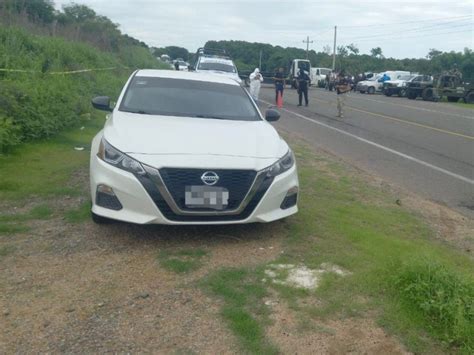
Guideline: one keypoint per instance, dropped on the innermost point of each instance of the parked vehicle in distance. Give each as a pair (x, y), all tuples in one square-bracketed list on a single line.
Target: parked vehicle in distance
[(216, 62), (189, 148), (375, 83), (295, 66), (451, 86), (182, 65), (318, 76), (414, 87), (397, 86)]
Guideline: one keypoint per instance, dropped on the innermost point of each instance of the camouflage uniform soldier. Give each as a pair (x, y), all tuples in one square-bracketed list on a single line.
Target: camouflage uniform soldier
[(342, 88)]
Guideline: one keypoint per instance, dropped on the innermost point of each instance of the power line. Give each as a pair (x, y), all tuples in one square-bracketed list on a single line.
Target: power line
[(404, 22), (420, 29), (418, 36)]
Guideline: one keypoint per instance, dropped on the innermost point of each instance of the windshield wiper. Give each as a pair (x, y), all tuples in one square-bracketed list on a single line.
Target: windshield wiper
[(209, 116), (140, 112)]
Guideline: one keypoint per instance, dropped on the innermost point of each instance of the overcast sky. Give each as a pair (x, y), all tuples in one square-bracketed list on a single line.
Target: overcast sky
[(402, 28)]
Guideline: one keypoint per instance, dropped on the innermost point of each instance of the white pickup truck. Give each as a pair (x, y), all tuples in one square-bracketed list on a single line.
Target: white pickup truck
[(318, 76)]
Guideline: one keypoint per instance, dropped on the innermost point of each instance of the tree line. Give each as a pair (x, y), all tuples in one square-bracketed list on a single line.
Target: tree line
[(247, 57), (75, 22)]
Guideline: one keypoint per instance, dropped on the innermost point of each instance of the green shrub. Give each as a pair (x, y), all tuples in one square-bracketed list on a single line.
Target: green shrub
[(444, 300), (39, 104)]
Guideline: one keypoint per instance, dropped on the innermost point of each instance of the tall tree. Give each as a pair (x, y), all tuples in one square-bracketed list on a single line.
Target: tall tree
[(376, 52), (353, 49)]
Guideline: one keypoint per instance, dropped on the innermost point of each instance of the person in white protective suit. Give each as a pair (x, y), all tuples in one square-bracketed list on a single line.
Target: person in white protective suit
[(255, 79)]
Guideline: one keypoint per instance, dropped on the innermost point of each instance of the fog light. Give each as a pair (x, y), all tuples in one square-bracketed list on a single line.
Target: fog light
[(105, 197), (291, 198), (105, 190)]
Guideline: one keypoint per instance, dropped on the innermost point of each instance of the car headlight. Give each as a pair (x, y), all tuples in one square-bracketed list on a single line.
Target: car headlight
[(118, 159), (283, 164)]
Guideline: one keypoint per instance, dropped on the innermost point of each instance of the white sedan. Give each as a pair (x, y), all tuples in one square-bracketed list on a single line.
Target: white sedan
[(189, 148)]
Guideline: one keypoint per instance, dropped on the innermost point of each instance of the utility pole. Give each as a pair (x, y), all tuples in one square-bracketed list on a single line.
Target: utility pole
[(334, 50), (307, 46)]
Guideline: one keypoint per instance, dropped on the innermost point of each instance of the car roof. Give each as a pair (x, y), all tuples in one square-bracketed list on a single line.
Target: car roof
[(205, 59), (186, 75)]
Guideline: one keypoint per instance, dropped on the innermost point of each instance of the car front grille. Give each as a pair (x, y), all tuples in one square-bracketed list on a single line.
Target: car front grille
[(246, 189), (238, 182)]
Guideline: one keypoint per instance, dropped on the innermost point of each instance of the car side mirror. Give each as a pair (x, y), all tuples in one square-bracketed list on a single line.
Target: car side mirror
[(272, 115), (102, 103)]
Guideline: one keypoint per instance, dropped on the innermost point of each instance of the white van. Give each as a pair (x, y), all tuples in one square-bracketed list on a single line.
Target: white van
[(375, 83), (318, 76)]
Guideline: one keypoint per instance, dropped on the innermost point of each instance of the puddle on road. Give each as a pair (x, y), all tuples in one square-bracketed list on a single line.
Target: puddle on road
[(300, 276)]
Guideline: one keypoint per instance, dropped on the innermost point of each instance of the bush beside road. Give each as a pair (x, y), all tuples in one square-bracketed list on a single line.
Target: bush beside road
[(70, 285), (36, 101)]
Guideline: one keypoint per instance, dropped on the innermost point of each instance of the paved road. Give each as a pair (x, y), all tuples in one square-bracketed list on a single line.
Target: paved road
[(425, 147)]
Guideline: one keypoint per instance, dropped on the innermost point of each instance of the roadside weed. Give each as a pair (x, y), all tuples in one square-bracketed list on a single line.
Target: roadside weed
[(80, 214), (244, 310), (182, 261)]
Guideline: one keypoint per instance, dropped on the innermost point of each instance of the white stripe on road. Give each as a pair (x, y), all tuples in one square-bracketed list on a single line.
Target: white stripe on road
[(403, 155)]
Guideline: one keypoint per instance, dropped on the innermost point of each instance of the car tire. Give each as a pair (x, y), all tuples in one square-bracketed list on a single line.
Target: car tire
[(428, 94), (371, 90), (412, 95), (402, 93), (388, 92), (453, 99), (99, 219), (469, 98)]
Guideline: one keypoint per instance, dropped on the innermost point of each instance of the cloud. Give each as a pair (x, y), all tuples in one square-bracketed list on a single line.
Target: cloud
[(190, 24)]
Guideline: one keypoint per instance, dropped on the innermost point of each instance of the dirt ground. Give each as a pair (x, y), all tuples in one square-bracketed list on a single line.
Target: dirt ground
[(83, 288)]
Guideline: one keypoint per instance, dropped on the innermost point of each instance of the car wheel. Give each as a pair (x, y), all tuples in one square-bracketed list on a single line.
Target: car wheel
[(469, 98), (453, 99), (402, 93), (100, 220), (411, 95), (388, 92), (371, 90), (428, 94)]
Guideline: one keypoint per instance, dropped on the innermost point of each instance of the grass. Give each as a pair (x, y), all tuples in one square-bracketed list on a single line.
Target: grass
[(15, 223), (242, 292), (390, 252), (182, 261), (81, 214), (44, 168)]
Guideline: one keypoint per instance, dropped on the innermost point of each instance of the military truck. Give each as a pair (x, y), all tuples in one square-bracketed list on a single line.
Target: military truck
[(449, 85)]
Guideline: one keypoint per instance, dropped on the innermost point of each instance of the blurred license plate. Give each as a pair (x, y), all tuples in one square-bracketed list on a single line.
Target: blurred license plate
[(206, 197)]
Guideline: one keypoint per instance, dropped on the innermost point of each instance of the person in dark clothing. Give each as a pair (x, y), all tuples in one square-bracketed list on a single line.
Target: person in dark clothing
[(279, 80), (303, 83), (176, 65)]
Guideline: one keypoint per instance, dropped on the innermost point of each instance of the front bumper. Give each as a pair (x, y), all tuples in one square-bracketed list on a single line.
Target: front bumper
[(143, 203)]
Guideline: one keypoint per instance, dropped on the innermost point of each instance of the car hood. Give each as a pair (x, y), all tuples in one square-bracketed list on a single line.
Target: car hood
[(169, 135)]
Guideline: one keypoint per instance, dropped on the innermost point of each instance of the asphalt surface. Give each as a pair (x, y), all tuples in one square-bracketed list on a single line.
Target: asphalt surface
[(424, 147)]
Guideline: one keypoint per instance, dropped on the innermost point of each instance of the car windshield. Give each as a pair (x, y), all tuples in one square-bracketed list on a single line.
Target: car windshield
[(190, 98), (183, 63), (217, 66), (405, 77), (325, 71), (374, 78), (305, 65)]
